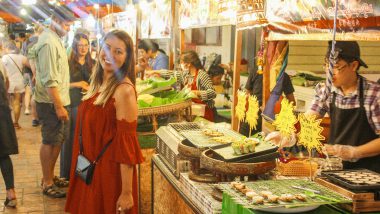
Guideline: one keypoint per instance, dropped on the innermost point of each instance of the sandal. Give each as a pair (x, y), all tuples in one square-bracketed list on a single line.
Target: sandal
[(54, 192), (60, 182), (10, 202)]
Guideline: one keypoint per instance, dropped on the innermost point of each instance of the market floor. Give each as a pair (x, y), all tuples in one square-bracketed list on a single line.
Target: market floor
[(28, 174)]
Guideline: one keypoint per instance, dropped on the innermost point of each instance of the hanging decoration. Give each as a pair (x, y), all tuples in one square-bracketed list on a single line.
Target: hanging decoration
[(252, 114), (250, 14), (240, 106)]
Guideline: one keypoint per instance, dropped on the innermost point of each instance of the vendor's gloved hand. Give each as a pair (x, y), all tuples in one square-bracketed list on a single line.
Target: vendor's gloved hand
[(347, 153), (281, 141)]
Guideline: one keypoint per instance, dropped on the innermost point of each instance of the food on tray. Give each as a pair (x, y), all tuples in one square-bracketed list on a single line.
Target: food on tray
[(257, 200), (266, 194), (240, 186), (222, 140), (234, 183), (245, 146), (286, 197), (251, 194), (212, 133), (273, 199), (300, 197)]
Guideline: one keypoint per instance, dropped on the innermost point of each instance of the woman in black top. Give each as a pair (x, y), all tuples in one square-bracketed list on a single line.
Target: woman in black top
[(8, 144), (81, 64)]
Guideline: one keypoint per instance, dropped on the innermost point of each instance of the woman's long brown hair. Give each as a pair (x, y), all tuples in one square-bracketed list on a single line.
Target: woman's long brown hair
[(126, 70), (73, 59)]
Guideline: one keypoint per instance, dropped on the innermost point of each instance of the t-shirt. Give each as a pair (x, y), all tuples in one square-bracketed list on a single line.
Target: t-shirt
[(255, 85), (160, 62), (13, 66)]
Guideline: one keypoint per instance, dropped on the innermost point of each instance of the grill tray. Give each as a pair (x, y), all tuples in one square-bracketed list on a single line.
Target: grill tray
[(355, 179), (196, 138), (184, 126), (265, 151)]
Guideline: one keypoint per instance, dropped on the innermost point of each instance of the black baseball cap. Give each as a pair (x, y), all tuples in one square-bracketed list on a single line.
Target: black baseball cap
[(63, 13), (347, 50)]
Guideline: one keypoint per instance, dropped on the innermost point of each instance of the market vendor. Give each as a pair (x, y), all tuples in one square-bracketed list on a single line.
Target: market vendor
[(193, 76), (151, 57), (354, 108)]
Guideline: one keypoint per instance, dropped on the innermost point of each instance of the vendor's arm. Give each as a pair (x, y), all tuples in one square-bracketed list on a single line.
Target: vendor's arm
[(207, 90), (126, 109), (289, 89), (319, 107)]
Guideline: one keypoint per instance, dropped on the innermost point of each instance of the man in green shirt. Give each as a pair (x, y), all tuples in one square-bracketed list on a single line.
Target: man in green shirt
[(52, 94)]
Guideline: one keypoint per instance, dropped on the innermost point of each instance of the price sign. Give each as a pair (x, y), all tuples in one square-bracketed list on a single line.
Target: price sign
[(310, 135), (286, 119)]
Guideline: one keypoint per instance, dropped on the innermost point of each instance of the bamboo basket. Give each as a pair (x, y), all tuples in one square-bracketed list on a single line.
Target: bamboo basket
[(297, 168), (164, 109)]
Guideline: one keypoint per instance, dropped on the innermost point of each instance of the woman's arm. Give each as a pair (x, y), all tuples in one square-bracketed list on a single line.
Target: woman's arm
[(126, 109), (206, 90)]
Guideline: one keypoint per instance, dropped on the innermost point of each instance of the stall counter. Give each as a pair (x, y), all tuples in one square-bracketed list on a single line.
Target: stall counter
[(169, 195)]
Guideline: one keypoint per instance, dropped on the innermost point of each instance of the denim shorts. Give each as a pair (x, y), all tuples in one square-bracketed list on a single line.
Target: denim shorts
[(54, 131)]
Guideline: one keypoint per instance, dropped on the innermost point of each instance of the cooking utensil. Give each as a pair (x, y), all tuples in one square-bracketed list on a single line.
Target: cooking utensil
[(313, 195), (306, 189)]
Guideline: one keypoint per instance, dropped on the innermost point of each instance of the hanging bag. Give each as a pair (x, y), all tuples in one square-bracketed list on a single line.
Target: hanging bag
[(85, 168)]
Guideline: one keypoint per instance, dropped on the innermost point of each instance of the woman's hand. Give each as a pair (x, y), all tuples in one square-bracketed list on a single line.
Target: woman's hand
[(196, 93), (124, 203), (84, 85)]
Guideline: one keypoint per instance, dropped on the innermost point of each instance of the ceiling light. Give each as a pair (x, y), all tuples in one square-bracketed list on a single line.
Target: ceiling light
[(23, 12), (29, 2), (96, 6)]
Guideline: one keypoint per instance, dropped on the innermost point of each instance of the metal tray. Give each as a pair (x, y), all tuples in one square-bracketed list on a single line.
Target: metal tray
[(197, 139), (262, 151), (355, 179)]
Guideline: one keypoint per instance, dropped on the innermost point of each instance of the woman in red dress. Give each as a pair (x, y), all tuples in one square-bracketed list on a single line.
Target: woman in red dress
[(108, 113)]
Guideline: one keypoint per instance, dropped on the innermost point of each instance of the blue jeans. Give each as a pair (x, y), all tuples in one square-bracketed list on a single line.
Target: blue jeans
[(67, 147)]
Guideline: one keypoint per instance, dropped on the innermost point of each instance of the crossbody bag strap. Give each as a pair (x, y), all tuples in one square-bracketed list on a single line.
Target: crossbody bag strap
[(15, 64), (81, 151), (102, 152)]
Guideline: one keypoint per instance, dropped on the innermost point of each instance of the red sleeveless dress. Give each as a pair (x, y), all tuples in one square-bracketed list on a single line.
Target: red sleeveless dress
[(100, 125)]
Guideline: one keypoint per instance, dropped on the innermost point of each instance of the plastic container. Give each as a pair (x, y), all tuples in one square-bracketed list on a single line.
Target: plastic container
[(198, 109)]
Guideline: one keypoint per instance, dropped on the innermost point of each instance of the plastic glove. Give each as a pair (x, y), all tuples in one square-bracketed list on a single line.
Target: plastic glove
[(347, 153), (281, 141)]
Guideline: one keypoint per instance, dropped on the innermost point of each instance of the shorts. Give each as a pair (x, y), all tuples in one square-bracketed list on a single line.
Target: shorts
[(16, 87), (53, 131)]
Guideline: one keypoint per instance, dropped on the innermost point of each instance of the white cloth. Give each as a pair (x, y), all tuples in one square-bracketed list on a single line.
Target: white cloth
[(13, 69)]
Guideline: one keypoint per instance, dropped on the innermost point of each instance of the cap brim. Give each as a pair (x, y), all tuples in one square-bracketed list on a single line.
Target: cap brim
[(362, 63)]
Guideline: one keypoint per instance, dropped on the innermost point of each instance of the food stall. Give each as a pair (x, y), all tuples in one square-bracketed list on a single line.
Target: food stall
[(243, 179)]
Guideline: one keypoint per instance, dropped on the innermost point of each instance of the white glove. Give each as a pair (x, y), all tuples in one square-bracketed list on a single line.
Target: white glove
[(280, 140), (346, 152)]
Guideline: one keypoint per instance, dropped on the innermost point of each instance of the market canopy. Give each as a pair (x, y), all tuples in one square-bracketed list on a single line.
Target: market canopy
[(313, 19)]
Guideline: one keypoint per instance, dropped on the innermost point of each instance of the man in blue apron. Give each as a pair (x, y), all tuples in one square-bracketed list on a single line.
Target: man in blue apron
[(354, 108)]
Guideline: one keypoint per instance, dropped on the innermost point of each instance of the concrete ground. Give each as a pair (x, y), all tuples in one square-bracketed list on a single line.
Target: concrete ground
[(28, 174)]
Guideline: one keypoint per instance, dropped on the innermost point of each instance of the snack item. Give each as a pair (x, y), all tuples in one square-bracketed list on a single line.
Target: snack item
[(257, 200), (245, 146), (212, 133), (286, 197), (300, 197), (266, 194), (251, 194), (273, 198)]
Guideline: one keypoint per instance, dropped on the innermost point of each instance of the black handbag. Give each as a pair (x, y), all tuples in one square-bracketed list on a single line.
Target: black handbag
[(85, 168)]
